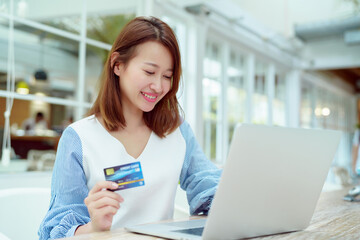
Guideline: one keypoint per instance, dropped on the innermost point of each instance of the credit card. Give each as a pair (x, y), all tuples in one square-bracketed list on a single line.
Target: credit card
[(126, 176)]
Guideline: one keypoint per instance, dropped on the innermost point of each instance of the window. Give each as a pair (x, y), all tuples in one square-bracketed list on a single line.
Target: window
[(46, 62), (212, 115), (323, 108), (58, 58), (260, 102), (279, 101), (236, 93), (179, 29), (306, 109), (101, 30)]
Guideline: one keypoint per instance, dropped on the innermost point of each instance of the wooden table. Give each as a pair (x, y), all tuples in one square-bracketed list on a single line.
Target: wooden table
[(22, 144), (334, 218)]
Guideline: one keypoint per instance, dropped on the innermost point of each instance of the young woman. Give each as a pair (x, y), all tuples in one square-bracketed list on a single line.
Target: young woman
[(135, 120)]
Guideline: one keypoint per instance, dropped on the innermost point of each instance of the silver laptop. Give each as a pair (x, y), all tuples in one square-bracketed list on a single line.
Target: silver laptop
[(270, 184)]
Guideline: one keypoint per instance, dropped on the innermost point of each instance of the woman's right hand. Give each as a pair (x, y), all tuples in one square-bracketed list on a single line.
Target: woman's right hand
[(102, 206)]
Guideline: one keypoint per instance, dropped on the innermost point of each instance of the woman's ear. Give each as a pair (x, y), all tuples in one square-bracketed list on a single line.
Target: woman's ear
[(116, 65)]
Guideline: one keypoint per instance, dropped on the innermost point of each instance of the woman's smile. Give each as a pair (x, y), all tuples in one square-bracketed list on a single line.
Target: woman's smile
[(150, 97)]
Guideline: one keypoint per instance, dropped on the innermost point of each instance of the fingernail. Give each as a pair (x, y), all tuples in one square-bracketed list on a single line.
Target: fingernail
[(114, 185)]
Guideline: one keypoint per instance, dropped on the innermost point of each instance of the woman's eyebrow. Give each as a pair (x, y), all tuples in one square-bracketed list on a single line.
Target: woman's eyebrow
[(156, 66)]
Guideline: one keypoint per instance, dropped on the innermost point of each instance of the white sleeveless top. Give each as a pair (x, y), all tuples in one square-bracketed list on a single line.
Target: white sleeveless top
[(161, 163)]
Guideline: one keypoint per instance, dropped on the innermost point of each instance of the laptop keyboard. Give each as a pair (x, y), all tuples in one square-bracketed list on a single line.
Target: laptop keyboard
[(192, 231), (195, 223)]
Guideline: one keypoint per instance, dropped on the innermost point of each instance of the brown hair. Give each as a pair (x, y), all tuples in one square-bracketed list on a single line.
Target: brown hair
[(165, 117)]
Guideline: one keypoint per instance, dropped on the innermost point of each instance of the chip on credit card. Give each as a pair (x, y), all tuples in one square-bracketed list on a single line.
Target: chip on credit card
[(126, 176)]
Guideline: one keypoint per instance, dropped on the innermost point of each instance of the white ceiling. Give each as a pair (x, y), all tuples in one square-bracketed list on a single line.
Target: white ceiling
[(281, 15)]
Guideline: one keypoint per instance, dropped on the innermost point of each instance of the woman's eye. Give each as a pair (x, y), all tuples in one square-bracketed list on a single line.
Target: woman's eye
[(148, 72), (168, 77)]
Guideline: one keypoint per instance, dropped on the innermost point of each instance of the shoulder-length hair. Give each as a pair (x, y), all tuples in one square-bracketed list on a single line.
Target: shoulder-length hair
[(165, 117)]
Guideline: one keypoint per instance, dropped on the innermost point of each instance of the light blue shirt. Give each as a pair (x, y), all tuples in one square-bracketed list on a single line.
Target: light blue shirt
[(198, 176)]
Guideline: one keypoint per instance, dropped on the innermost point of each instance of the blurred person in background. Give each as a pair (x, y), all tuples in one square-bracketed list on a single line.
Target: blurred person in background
[(34, 125)]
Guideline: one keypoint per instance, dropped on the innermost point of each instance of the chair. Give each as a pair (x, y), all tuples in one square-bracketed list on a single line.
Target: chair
[(41, 160), (22, 210), (47, 161)]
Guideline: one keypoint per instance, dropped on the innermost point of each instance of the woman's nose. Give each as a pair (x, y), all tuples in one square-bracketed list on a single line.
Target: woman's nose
[(156, 84)]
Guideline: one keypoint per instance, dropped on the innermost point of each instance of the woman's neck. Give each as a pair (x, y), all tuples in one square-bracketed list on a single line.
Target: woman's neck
[(133, 118)]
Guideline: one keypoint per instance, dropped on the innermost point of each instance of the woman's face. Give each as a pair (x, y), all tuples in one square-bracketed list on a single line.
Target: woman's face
[(147, 77)]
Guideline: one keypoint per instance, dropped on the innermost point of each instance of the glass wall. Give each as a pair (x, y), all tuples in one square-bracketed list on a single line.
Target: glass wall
[(102, 28), (47, 63), (260, 101), (307, 103), (324, 108), (59, 53), (212, 88), (64, 15), (279, 101), (236, 92), (179, 29), (328, 109), (95, 60)]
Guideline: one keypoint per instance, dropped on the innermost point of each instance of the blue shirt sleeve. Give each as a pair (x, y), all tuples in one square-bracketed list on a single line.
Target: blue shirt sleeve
[(199, 176), (68, 190)]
